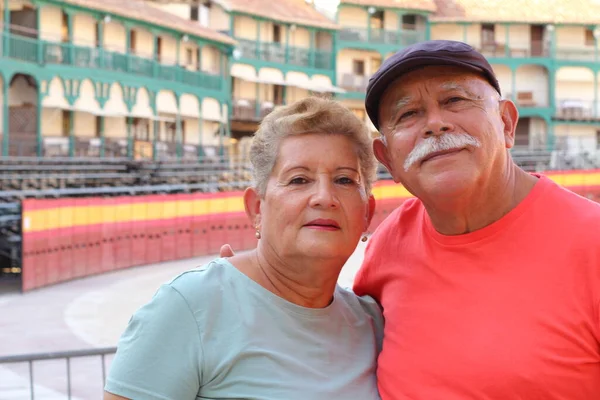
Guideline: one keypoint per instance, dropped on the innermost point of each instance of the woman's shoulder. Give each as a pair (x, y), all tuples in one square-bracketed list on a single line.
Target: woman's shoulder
[(204, 282), (361, 304)]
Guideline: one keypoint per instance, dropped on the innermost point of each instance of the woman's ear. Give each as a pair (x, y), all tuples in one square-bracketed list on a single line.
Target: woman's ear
[(252, 202)]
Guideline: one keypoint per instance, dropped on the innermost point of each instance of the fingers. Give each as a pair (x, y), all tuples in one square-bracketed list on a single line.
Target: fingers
[(226, 251)]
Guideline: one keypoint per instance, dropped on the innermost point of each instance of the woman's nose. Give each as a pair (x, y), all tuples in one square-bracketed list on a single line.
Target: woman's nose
[(324, 195)]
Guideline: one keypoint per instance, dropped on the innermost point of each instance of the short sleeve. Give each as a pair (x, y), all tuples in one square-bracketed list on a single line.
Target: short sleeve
[(159, 356), (373, 308)]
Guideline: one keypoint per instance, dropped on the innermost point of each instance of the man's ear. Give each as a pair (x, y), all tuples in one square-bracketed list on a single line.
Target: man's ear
[(252, 202), (381, 153), (510, 116), (370, 210)]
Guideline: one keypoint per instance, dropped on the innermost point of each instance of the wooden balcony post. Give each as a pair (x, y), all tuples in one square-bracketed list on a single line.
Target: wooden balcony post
[(5, 118), (507, 40), (6, 31)]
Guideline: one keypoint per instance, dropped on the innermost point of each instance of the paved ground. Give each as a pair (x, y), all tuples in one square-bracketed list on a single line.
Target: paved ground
[(81, 314)]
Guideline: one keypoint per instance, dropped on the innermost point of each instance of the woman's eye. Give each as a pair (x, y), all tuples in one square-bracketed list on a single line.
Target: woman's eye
[(454, 99), (345, 181), (298, 181)]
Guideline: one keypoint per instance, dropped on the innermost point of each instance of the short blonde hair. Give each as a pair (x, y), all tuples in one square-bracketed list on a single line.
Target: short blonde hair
[(312, 115)]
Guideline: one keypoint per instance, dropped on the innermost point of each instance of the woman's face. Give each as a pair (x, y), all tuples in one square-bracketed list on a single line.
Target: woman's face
[(315, 203)]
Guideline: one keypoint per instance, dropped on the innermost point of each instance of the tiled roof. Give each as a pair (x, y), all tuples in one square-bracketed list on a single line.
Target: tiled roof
[(421, 5), (140, 10), (291, 11), (525, 11)]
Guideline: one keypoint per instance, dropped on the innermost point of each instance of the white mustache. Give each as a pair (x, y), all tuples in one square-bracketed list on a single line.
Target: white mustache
[(433, 144)]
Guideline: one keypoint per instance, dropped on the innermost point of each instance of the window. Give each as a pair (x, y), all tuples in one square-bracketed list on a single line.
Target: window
[(376, 20), (194, 13), (277, 95), (98, 126), (189, 56), (590, 40), (65, 27), (277, 33), (375, 64), (66, 123), (488, 34), (409, 22), (171, 131), (159, 48), (98, 34), (358, 67), (141, 129), (132, 41)]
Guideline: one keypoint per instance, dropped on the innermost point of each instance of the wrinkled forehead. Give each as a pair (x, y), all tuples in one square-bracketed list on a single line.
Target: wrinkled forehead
[(432, 81), (416, 83)]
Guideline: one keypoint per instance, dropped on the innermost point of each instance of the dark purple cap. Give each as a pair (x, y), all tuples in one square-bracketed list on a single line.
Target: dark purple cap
[(424, 54)]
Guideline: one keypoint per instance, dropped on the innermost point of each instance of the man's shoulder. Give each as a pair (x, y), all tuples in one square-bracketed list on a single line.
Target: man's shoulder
[(572, 205), (571, 213)]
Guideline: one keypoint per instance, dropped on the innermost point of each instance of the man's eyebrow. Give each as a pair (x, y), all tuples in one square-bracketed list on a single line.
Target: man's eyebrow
[(453, 86), (400, 104)]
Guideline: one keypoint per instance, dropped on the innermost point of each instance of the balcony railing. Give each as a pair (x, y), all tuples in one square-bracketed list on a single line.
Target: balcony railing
[(245, 109), (47, 52), (354, 83), (576, 53), (577, 110), (279, 53), (382, 36)]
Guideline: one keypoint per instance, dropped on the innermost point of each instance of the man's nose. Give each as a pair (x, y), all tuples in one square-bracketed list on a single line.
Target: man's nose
[(436, 125)]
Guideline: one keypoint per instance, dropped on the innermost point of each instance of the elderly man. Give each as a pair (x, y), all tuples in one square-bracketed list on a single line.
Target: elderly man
[(490, 278)]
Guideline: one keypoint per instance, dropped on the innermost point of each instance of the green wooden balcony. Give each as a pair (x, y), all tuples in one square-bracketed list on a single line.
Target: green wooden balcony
[(361, 37), (44, 52), (281, 54)]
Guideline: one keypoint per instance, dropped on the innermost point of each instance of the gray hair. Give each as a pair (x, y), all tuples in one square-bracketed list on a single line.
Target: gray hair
[(312, 115)]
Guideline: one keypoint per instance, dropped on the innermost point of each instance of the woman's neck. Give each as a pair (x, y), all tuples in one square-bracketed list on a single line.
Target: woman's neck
[(307, 282)]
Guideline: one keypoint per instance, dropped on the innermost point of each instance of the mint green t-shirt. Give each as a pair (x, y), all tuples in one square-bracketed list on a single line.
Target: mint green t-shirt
[(213, 333)]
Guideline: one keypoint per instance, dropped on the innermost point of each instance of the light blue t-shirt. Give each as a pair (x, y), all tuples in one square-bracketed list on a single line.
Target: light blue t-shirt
[(213, 333)]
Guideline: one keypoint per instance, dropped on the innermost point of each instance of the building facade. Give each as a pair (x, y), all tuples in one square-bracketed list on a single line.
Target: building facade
[(110, 78), (186, 79), (545, 55)]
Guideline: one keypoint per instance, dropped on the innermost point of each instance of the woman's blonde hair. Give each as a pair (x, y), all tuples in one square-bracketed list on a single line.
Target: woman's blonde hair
[(312, 115)]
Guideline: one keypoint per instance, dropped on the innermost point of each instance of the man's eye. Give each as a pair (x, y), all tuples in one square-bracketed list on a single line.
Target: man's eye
[(298, 181), (454, 99), (407, 114)]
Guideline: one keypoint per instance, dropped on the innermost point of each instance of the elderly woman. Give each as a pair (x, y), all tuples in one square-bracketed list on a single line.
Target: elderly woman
[(272, 323)]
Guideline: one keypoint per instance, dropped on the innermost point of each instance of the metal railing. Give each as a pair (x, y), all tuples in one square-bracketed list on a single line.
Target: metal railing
[(577, 109), (39, 51), (382, 36), (67, 356), (576, 53), (279, 53)]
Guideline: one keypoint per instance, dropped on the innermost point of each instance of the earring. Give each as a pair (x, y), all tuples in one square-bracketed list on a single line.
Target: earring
[(257, 233), (364, 238)]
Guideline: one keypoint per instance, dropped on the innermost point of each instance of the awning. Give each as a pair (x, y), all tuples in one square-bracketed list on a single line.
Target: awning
[(320, 87)]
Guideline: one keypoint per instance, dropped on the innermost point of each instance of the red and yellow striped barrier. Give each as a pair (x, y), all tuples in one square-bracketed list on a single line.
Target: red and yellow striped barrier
[(70, 238)]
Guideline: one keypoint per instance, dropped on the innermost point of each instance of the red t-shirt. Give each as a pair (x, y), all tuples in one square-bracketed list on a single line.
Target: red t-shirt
[(510, 311)]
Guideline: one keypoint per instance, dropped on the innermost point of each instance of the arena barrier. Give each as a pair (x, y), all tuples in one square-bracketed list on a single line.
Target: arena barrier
[(70, 238)]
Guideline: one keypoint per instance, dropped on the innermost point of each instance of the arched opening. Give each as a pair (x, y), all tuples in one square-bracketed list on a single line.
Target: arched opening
[(574, 94), (22, 115), (354, 68), (531, 86)]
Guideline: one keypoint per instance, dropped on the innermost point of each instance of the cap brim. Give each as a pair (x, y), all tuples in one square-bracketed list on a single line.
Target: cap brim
[(378, 87)]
